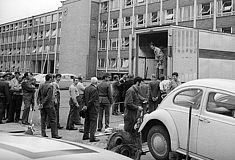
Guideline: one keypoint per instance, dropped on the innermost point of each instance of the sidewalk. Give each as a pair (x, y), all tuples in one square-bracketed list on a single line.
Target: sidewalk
[(70, 135)]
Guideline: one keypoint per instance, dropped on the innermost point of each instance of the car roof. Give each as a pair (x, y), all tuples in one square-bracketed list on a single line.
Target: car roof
[(26, 147), (223, 84)]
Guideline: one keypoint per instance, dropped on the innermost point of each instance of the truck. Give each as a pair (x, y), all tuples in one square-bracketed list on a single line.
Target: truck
[(193, 53)]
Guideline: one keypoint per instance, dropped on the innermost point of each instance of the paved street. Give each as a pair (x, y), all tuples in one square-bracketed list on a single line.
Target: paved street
[(75, 136)]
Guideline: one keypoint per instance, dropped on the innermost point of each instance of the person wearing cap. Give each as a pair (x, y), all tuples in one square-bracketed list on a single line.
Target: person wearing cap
[(81, 89), (16, 98), (133, 106), (4, 97), (105, 97), (91, 100)]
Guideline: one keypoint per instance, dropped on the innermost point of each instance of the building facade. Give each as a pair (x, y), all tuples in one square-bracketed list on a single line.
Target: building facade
[(90, 37)]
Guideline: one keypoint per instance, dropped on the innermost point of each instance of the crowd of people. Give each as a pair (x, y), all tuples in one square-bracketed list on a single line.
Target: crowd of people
[(125, 95)]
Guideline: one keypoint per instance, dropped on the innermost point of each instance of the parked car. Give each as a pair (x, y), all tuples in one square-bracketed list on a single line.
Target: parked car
[(65, 82), (212, 121), (24, 147)]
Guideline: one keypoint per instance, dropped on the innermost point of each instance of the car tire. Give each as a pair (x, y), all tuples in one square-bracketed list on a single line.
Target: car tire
[(159, 142)]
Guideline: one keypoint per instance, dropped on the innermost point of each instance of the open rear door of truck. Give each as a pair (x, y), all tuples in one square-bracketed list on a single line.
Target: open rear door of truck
[(184, 53)]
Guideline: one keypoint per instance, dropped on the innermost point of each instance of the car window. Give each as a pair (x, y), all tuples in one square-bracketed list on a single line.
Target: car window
[(221, 103), (189, 97)]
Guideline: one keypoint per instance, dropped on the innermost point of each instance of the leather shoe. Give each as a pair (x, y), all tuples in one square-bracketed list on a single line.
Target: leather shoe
[(94, 140), (85, 138), (99, 130), (44, 136), (26, 123), (57, 137), (60, 127), (74, 128)]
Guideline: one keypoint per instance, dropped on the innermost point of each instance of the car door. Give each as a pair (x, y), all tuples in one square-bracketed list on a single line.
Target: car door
[(216, 129), (179, 110)]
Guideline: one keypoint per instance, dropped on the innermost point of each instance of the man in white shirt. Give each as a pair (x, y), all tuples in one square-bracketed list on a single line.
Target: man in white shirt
[(81, 89), (73, 113)]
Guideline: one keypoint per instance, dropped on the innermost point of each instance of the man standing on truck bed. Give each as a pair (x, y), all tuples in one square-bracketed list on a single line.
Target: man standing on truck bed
[(160, 58)]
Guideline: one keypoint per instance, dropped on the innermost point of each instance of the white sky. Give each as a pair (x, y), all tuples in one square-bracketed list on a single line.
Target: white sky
[(11, 10)]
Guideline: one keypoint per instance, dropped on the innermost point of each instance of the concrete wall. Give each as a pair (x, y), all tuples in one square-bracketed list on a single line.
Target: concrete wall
[(76, 33)]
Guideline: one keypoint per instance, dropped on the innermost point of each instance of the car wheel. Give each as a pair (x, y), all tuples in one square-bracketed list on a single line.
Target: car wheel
[(159, 142)]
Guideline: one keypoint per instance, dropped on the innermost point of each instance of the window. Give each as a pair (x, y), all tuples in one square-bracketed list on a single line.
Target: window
[(40, 49), (48, 19), (114, 44), (101, 63), (153, 1), (102, 44), (154, 17), (127, 22), (169, 15), (54, 32), (226, 29), (29, 36), (25, 24), (125, 42), (34, 49), (112, 63), (42, 20), (205, 9), (36, 21), (140, 20), (140, 1), (60, 16), (220, 103), (104, 7), (226, 6), (48, 33), (35, 35), (41, 35), (103, 25), (114, 4), (124, 63), (54, 17), (114, 23), (189, 97), (128, 3)]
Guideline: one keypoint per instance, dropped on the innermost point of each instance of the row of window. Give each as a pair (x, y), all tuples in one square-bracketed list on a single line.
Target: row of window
[(112, 63), (32, 22), (28, 50), (14, 65), (114, 4), (31, 36), (114, 43), (185, 13), (205, 8)]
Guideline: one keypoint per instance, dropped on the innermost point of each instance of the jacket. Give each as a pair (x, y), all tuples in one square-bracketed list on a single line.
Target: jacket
[(91, 99)]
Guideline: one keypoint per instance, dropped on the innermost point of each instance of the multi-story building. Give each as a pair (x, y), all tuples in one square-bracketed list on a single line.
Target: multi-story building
[(31, 44), (90, 37)]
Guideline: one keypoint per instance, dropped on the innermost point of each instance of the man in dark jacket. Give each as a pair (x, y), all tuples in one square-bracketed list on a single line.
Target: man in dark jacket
[(4, 97), (105, 99), (154, 93), (91, 99), (46, 106), (132, 106), (28, 96)]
